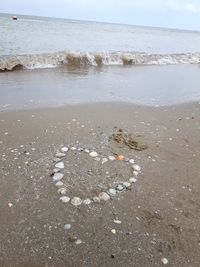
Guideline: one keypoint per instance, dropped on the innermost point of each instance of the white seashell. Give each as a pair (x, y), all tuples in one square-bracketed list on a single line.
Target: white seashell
[(60, 155), (73, 148), (112, 192), (136, 168), (135, 173), (117, 221), (111, 158), (76, 201), (64, 149), (62, 191), (113, 231), (93, 154), (65, 199), (104, 196), (104, 160), (119, 187), (164, 261), (132, 161), (87, 201), (60, 165), (59, 183), (78, 241), (96, 199), (67, 226), (126, 184), (57, 176), (87, 151), (132, 180)]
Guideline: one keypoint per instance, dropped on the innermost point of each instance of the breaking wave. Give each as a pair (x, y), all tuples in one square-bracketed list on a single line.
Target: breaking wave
[(50, 60)]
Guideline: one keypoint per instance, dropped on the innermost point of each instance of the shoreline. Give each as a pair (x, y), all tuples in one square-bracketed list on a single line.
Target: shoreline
[(159, 215)]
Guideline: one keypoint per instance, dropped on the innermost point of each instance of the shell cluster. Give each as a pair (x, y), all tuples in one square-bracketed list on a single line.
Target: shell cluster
[(111, 192)]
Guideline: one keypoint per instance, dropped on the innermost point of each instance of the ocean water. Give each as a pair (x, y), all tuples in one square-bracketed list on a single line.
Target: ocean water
[(61, 62)]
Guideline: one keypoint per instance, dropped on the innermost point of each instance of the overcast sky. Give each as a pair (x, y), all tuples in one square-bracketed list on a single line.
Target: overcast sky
[(161, 13)]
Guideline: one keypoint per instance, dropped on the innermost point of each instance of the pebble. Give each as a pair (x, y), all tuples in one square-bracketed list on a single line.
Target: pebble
[(56, 170), (60, 155), (65, 199), (59, 183), (73, 148), (112, 192), (132, 161), (93, 154), (64, 149), (97, 159), (111, 158), (126, 184), (57, 177), (136, 167), (132, 180), (87, 201), (10, 205), (62, 191), (135, 173), (76, 201), (104, 196), (87, 151), (60, 165), (117, 221), (78, 241), (67, 226), (96, 199), (113, 231), (104, 160), (119, 187), (164, 261)]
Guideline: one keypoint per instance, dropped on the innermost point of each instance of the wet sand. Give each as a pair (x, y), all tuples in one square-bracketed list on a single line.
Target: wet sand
[(159, 215)]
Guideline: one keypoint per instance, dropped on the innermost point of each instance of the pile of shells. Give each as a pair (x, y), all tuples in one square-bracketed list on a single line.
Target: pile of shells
[(103, 196)]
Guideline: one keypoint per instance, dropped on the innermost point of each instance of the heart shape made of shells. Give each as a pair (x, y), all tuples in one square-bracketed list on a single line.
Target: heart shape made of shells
[(106, 195)]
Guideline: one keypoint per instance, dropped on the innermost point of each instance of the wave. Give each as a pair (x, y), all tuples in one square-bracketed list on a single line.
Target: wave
[(51, 60)]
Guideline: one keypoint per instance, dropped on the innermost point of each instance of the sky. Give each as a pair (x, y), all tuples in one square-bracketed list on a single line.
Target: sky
[(181, 14)]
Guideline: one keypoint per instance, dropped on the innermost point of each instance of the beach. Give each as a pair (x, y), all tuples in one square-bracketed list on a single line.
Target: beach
[(159, 214)]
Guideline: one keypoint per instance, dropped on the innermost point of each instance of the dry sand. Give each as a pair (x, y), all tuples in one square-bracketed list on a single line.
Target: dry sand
[(159, 215)]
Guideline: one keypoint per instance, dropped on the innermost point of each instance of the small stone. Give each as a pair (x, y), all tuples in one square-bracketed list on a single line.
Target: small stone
[(135, 173), (56, 159), (62, 191), (87, 151), (112, 192), (104, 196), (87, 201), (64, 149), (111, 158), (104, 160), (96, 199), (113, 231), (136, 168), (78, 241), (119, 187), (164, 261), (60, 155), (60, 165), (97, 159), (126, 184), (132, 161), (117, 221), (93, 154), (73, 148), (55, 170), (67, 226), (10, 205), (132, 180), (65, 199), (76, 201), (59, 183), (57, 176)]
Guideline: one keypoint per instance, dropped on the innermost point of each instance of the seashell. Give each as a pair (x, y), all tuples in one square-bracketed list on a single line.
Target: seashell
[(120, 157), (135, 173), (164, 261), (76, 201), (126, 184), (104, 196), (112, 192), (62, 191), (119, 187), (64, 149), (93, 154), (113, 231), (59, 183), (67, 226), (60, 155), (65, 199), (78, 241), (73, 148), (136, 168), (104, 160), (55, 170), (132, 180), (87, 151), (96, 199), (111, 158), (87, 201), (132, 161), (57, 176), (117, 221), (60, 165)]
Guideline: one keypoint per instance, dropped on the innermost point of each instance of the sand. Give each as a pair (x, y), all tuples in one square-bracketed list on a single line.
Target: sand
[(159, 215)]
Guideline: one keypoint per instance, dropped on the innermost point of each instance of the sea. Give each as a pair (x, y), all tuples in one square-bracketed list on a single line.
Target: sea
[(51, 62)]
